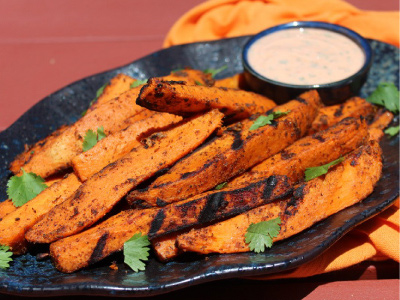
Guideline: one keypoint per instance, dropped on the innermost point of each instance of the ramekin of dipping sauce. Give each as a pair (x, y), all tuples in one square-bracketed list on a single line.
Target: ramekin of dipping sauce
[(286, 60)]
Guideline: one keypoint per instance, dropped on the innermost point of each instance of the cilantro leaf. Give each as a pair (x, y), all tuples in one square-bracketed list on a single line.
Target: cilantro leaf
[(392, 131), (214, 72), (21, 189), (98, 94), (387, 95), (220, 186), (266, 120), (315, 172), (5, 257), (260, 235), (100, 133), (198, 82), (91, 138), (138, 82), (136, 251)]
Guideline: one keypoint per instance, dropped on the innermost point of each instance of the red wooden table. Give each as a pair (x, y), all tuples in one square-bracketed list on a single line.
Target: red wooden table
[(47, 44)]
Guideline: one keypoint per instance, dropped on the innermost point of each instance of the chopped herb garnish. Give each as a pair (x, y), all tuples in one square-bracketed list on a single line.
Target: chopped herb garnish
[(387, 95), (98, 94), (138, 82), (198, 82), (5, 257), (91, 138), (214, 72), (21, 189), (261, 234), (266, 120), (220, 186), (392, 131), (136, 251), (315, 172)]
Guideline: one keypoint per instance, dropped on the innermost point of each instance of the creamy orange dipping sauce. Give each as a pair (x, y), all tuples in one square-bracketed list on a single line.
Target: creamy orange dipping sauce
[(305, 56)]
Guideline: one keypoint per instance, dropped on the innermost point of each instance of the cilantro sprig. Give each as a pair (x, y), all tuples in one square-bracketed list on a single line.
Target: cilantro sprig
[(136, 252), (266, 120), (315, 172), (5, 257), (392, 131), (214, 72), (221, 186), (91, 138), (138, 82), (21, 189), (98, 94), (387, 95), (261, 234)]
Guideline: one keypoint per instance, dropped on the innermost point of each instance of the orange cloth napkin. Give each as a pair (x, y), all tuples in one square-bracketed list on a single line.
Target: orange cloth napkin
[(377, 238), (216, 19)]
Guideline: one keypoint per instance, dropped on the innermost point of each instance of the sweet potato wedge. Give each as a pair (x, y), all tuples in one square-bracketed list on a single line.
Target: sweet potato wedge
[(120, 143), (330, 115), (103, 190), (165, 247), (57, 153), (190, 77), (216, 205), (114, 232), (310, 151), (7, 206), (236, 81), (117, 85), (24, 157), (381, 120), (178, 98), (344, 185), (14, 225), (231, 154)]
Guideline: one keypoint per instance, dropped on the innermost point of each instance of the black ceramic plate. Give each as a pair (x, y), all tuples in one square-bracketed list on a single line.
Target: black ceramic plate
[(27, 276)]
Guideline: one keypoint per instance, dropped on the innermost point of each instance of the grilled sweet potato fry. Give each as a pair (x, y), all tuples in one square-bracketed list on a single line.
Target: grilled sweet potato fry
[(117, 85), (78, 251), (235, 151), (190, 76), (344, 185), (330, 115), (155, 221), (14, 225), (316, 150), (236, 81), (181, 99), (102, 191), (57, 153), (217, 205), (165, 247), (7, 206), (381, 120), (24, 157), (120, 143)]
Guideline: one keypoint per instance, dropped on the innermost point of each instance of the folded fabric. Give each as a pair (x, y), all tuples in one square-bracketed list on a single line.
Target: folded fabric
[(216, 19), (377, 238)]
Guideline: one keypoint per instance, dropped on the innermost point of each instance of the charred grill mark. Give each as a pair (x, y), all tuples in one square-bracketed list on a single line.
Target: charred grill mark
[(214, 203), (287, 155), (301, 100), (339, 111), (157, 223), (161, 202), (269, 187), (97, 253), (318, 137), (237, 142), (299, 192)]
